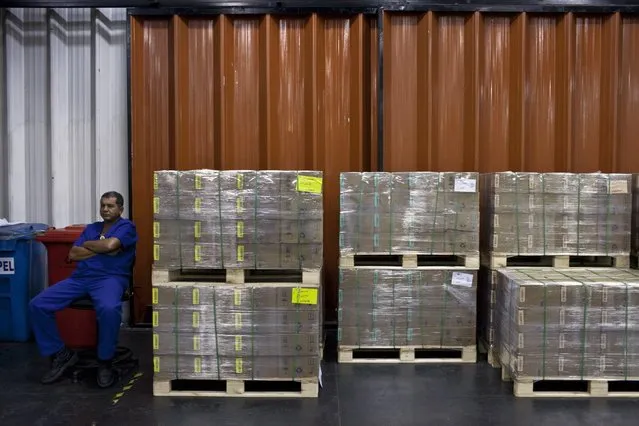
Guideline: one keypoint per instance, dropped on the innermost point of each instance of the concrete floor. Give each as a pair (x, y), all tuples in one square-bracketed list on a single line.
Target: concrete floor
[(362, 395)]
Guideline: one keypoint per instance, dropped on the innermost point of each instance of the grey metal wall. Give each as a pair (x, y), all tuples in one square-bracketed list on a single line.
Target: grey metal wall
[(63, 131)]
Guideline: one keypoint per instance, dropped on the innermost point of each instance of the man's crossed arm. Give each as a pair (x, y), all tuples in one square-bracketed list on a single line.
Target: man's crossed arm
[(110, 246)]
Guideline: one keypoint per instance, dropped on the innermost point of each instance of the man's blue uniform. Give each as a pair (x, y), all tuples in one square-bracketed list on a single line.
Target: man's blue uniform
[(103, 277)]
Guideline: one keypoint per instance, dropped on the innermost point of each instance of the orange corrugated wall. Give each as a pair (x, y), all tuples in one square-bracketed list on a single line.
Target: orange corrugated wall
[(467, 91)]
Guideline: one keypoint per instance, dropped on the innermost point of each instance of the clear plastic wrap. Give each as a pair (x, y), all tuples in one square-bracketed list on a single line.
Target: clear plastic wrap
[(238, 219), (635, 214), (401, 307), (223, 332), (556, 213), (571, 323), (418, 212), (486, 306)]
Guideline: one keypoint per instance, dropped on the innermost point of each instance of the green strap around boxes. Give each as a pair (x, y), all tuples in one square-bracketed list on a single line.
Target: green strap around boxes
[(432, 229), (176, 328), (219, 211), (217, 345)]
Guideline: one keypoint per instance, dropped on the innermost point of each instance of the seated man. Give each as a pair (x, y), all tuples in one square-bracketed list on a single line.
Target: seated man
[(105, 252)]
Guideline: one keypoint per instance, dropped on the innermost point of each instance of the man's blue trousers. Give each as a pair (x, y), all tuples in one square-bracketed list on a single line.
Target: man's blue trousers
[(106, 294)]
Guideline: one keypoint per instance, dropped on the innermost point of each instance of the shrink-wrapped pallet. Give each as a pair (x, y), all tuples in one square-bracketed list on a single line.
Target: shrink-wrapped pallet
[(209, 219), (556, 214), (570, 323), (226, 332), (412, 212), (402, 307)]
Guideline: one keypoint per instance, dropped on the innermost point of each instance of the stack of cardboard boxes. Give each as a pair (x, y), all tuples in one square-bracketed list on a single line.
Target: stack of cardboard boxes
[(570, 323), (548, 214), (407, 214), (251, 220), (556, 214), (635, 217), (237, 219)]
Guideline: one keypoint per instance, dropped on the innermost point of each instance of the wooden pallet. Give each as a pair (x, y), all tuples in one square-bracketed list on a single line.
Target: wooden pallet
[(563, 261), (408, 260), (267, 388), (239, 276), (406, 354), (562, 387)]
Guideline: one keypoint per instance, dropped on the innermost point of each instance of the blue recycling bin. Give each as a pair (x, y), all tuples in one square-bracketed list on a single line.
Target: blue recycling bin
[(23, 265)]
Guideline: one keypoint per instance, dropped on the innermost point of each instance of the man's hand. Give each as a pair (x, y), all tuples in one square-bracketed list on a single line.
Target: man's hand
[(105, 246), (80, 253)]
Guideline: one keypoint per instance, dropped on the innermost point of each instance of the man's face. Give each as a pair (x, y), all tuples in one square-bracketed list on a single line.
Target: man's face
[(109, 210)]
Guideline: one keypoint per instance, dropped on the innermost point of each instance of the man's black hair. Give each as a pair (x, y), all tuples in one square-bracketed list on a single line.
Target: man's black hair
[(119, 199)]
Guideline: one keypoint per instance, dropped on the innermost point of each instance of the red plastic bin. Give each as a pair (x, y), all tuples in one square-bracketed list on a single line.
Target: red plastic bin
[(77, 326)]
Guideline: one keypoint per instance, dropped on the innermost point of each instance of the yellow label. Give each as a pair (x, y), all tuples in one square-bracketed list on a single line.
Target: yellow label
[(238, 343), (309, 184), (240, 253), (240, 229), (155, 181), (156, 252), (156, 364), (198, 205), (238, 321), (156, 205), (238, 366), (156, 229), (197, 364), (304, 296), (197, 253), (237, 297), (196, 319), (198, 182), (196, 343), (197, 229), (239, 204), (156, 341), (155, 298), (240, 180), (156, 318), (196, 296)]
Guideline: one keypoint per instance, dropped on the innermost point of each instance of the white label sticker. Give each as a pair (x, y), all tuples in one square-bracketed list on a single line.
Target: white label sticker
[(7, 266), (618, 187), (462, 279), (465, 185)]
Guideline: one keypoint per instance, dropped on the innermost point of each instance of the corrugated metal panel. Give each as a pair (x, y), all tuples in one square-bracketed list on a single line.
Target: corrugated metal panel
[(493, 92), (254, 92), (65, 134)]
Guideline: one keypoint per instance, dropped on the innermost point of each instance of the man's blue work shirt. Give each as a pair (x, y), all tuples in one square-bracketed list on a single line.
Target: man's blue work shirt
[(104, 265)]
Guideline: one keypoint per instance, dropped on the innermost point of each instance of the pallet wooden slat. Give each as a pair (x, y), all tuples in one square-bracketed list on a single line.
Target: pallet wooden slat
[(525, 387), (408, 260), (407, 354), (239, 276), (555, 261), (309, 388)]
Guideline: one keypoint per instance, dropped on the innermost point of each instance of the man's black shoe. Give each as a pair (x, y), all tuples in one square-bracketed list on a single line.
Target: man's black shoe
[(64, 359), (106, 375)]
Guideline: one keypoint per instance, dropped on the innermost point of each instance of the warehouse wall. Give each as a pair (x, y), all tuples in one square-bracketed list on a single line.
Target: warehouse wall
[(501, 92), (63, 133), (251, 92), (474, 92)]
